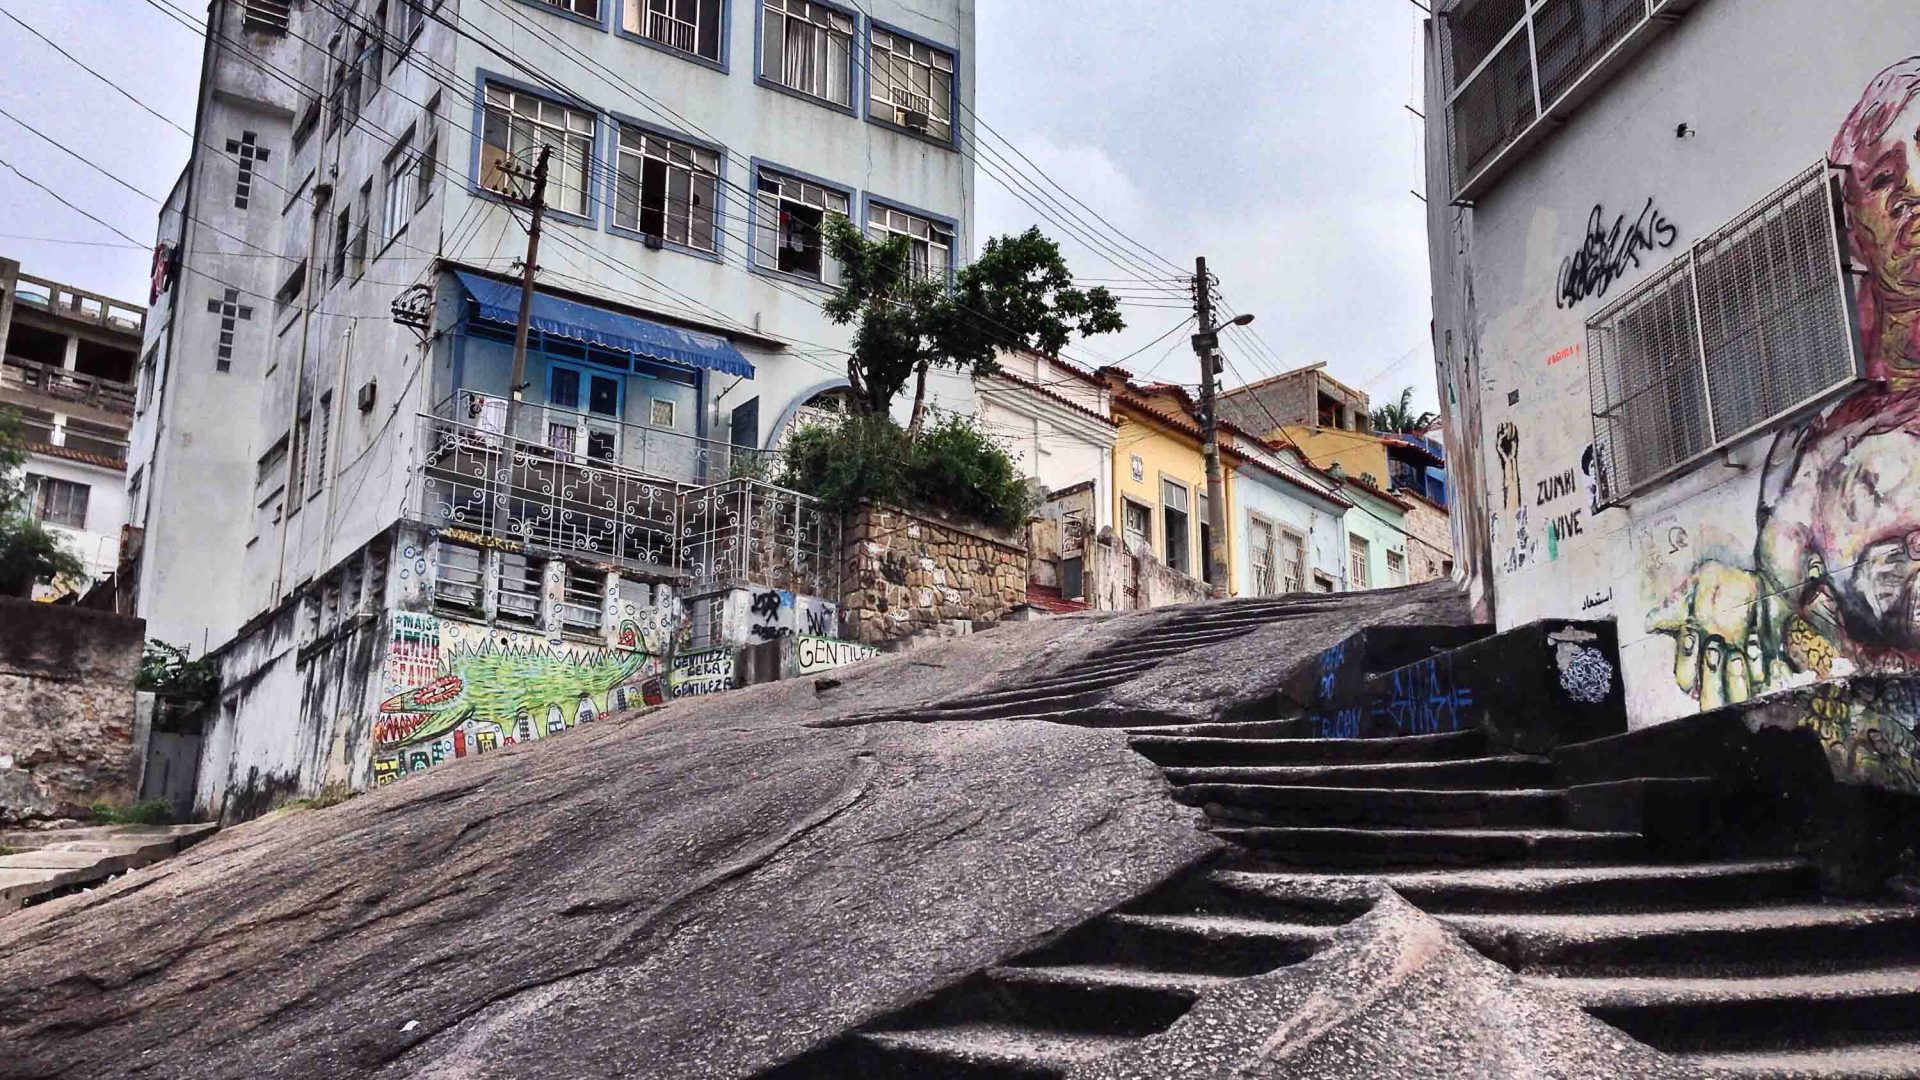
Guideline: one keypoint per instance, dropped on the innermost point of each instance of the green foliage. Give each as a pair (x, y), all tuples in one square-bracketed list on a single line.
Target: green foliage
[(30, 552), (1018, 294), (953, 467), (744, 464), (1397, 418), (145, 812), (169, 671)]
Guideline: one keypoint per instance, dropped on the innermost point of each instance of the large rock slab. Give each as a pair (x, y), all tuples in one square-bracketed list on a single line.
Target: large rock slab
[(697, 891)]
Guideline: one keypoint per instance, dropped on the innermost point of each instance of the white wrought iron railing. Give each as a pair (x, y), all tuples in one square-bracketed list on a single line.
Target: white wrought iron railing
[(673, 33), (710, 537)]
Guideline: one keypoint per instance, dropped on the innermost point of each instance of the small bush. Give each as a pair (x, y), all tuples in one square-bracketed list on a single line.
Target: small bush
[(169, 671), (953, 466), (145, 812)]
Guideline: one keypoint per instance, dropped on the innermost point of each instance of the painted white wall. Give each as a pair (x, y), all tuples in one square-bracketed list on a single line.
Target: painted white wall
[(1317, 522), (98, 542), (1764, 86)]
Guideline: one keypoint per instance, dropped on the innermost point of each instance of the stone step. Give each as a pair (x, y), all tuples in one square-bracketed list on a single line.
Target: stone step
[(1868, 1061), (1783, 939), (1337, 847), (1112, 999), (1010, 708), (1204, 944), (1504, 771), (1293, 727), (995, 1051), (1628, 888), (57, 861), (1772, 1012), (1253, 804), (1046, 689), (1204, 750), (1300, 902)]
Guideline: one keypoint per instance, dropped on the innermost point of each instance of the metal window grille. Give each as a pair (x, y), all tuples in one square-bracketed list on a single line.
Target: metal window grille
[(580, 605), (1505, 63), (458, 579), (1751, 325), (1293, 550), (268, 16), (808, 47), (586, 9), (688, 26), (1396, 568), (1261, 541), (517, 581)]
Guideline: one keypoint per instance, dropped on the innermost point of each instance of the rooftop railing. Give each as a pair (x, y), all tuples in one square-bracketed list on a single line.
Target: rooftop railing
[(78, 304), (60, 384)]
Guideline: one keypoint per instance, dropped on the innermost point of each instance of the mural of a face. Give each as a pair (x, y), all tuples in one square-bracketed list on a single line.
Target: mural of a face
[(1879, 148)]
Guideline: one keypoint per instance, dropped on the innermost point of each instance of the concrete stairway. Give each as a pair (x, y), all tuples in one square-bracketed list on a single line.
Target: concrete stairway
[(1738, 966), (1123, 976)]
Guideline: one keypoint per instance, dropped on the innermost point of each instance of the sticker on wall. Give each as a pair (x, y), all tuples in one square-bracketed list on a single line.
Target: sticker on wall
[(1139, 468)]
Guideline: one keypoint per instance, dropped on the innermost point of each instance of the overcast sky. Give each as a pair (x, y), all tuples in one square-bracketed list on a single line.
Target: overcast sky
[(1270, 136)]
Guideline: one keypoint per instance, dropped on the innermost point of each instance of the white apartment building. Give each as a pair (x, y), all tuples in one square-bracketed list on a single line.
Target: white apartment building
[(341, 493)]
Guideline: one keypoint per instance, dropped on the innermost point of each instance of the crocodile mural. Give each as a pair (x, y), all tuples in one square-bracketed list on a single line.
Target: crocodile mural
[(455, 689)]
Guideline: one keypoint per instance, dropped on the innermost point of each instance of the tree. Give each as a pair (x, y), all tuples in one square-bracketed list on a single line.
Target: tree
[(1017, 294), (29, 551), (1398, 418)]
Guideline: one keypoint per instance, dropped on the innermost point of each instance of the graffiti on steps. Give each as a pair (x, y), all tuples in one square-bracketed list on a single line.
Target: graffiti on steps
[(1423, 698), (1338, 724), (456, 688)]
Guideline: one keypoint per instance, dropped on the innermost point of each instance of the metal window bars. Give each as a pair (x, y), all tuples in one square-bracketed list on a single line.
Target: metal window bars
[(673, 33), (1752, 324), (746, 530)]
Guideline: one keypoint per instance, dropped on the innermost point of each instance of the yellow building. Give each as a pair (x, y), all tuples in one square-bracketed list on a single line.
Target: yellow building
[(1160, 480)]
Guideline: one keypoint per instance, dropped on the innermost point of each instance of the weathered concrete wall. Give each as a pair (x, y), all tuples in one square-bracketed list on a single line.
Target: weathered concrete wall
[(1789, 558), (1118, 580), (906, 573), (66, 708)]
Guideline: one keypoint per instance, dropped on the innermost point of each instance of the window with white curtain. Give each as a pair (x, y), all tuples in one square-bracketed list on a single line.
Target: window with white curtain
[(807, 47), (930, 241)]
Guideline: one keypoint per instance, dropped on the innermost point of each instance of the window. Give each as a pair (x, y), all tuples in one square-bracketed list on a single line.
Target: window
[(267, 16), (563, 388), (912, 84), (59, 502), (809, 48), (412, 16), (580, 606), (561, 437), (1293, 563), (790, 215), (586, 9), (517, 125), (459, 581), (518, 580), (320, 437), (1751, 325), (1321, 582), (1206, 543), (342, 237), (1358, 551), (1396, 568), (662, 413), (426, 167), (1138, 523), (150, 370), (1260, 552), (688, 26), (1175, 524), (665, 188), (931, 242), (297, 475), (309, 121), (364, 213), (399, 195)]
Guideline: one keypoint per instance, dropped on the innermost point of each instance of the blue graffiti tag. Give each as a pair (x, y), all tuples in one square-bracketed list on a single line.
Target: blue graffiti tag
[(1341, 724), (1329, 668), (1424, 698)]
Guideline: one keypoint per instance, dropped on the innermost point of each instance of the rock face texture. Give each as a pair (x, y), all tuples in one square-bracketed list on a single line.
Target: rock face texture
[(66, 708), (698, 891)]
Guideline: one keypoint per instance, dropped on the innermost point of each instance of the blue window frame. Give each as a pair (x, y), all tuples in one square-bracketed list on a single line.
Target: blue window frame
[(591, 12), (669, 190), (511, 119), (913, 85), (695, 30), (808, 49), (786, 231), (933, 238)]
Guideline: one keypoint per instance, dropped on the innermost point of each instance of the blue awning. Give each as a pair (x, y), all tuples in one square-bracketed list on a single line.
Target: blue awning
[(500, 303)]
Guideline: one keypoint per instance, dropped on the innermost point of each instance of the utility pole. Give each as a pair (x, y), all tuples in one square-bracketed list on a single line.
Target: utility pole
[(537, 205), (1206, 345)]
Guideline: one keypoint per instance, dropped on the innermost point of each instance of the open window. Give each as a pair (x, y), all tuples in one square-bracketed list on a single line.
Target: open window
[(665, 190), (1175, 524), (808, 48), (789, 226)]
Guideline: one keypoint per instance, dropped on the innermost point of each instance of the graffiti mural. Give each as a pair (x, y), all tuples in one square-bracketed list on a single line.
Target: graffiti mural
[(757, 614), (1827, 583), (813, 654), (456, 688), (709, 671), (1608, 254)]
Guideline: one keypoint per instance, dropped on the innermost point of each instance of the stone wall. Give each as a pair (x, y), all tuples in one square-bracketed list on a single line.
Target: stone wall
[(66, 708), (1429, 542), (907, 573)]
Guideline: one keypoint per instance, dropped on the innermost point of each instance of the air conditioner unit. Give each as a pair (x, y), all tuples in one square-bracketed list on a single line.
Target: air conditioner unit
[(654, 241), (914, 121), (366, 395)]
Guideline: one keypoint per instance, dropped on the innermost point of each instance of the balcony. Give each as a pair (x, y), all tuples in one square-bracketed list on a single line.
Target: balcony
[(582, 500), (79, 305), (66, 387)]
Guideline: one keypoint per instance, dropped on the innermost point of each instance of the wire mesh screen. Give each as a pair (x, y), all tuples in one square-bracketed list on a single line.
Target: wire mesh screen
[(1772, 307), (1493, 109), (1474, 29), (1570, 36), (1750, 325)]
